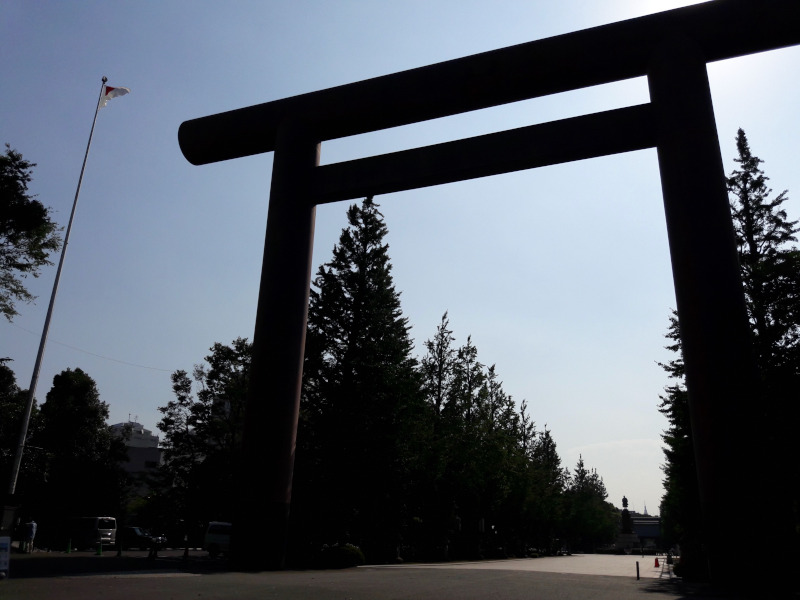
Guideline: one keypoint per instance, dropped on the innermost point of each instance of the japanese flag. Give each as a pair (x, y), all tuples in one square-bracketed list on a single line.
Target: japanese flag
[(112, 92)]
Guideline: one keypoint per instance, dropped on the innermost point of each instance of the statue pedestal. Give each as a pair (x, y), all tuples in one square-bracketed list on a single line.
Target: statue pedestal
[(627, 541)]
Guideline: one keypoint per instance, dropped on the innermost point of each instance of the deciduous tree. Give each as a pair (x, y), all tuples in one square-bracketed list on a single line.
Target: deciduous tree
[(202, 434), (12, 407), (27, 233), (84, 458)]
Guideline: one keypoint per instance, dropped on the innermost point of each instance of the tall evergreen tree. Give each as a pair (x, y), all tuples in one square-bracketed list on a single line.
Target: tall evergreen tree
[(496, 485), (468, 384), (436, 366), (680, 506), (590, 520), (770, 266), (434, 508), (464, 448), (547, 481), (360, 396), (504, 466), (433, 458)]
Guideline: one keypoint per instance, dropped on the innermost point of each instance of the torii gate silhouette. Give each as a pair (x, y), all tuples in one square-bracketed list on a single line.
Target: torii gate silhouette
[(671, 49)]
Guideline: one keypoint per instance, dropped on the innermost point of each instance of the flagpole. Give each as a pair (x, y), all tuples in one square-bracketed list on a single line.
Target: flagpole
[(23, 432)]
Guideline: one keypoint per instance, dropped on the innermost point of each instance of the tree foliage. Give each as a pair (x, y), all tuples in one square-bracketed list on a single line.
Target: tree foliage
[(12, 407), (423, 459), (495, 485), (81, 457), (546, 482), (27, 234), (770, 265), (360, 393), (590, 520), (680, 506), (202, 436)]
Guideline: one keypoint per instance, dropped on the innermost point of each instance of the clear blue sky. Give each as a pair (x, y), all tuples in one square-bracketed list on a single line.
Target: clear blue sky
[(561, 275)]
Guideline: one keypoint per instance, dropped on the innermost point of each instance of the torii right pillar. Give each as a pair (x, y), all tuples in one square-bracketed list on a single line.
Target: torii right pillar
[(726, 405)]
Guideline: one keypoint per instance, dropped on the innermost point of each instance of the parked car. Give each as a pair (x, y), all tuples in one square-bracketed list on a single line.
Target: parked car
[(138, 537)]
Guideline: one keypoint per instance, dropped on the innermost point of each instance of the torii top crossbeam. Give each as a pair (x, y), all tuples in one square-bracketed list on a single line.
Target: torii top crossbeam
[(722, 29)]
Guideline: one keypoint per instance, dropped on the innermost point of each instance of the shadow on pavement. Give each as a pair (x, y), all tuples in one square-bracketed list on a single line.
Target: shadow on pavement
[(52, 564)]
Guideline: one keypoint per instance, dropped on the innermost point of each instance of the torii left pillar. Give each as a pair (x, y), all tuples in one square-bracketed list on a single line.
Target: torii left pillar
[(273, 396)]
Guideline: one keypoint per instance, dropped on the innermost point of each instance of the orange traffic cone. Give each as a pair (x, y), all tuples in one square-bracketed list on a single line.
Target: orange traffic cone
[(656, 565)]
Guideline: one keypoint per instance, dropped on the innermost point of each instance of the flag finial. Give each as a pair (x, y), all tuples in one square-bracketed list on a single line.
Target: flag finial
[(105, 78)]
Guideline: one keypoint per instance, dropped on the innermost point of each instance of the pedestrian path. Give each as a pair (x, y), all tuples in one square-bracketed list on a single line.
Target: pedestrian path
[(666, 570)]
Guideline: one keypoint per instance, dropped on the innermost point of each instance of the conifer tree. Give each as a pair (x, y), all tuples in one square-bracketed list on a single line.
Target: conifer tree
[(435, 508), (680, 506), (437, 366), (491, 481), (590, 520), (360, 396), (547, 480), (770, 266)]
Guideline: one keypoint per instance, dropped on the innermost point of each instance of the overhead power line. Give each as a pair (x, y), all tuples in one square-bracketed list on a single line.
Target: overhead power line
[(116, 360)]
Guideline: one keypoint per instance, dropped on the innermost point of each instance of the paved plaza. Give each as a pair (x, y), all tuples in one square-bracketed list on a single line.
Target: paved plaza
[(596, 577), (580, 564)]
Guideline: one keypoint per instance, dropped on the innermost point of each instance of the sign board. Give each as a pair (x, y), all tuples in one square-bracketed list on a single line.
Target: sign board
[(5, 553)]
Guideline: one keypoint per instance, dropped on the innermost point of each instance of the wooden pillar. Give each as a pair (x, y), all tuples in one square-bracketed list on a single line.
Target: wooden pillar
[(721, 376), (273, 399)]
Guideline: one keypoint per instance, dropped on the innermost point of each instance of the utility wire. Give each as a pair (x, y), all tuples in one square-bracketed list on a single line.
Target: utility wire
[(116, 360)]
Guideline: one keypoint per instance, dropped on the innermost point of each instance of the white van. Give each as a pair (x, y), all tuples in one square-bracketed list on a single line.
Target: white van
[(87, 532), (218, 538)]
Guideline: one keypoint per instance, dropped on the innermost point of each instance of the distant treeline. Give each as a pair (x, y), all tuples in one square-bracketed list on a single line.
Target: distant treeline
[(406, 458)]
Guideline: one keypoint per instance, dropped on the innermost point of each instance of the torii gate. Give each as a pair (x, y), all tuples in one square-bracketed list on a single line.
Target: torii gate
[(671, 49)]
